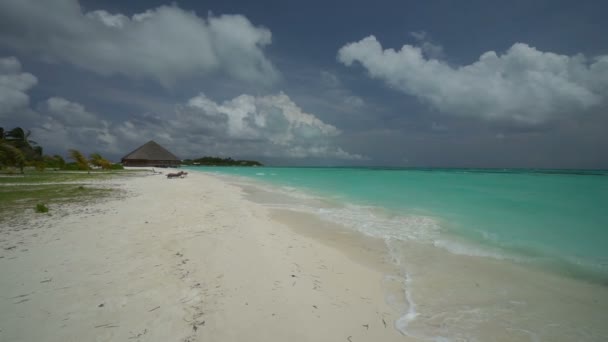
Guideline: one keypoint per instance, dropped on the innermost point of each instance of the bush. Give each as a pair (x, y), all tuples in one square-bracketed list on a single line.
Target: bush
[(40, 166), (71, 167), (11, 171), (41, 208), (54, 162), (117, 167)]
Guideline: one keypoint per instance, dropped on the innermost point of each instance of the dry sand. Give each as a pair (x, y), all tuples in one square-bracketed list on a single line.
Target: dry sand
[(188, 260)]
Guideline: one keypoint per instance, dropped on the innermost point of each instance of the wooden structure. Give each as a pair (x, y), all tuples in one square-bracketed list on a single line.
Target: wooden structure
[(151, 154)]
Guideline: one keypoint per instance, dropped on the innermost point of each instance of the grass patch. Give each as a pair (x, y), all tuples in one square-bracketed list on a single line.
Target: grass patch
[(51, 176), (41, 208), (21, 193)]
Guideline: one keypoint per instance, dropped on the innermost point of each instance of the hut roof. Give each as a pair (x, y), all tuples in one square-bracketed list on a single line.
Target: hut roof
[(151, 151)]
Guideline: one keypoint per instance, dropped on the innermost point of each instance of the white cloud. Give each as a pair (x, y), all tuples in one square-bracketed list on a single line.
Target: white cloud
[(246, 126), (14, 85), (271, 126), (63, 124), (69, 113), (55, 135), (430, 49), (273, 123), (109, 19), (524, 84), (165, 43)]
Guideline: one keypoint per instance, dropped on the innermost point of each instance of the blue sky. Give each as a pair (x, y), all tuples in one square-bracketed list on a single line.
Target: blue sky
[(400, 83)]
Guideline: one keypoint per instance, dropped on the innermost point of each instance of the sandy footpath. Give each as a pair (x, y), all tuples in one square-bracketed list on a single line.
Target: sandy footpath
[(184, 260)]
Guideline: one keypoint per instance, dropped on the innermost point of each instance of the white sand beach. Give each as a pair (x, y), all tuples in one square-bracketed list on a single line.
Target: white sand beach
[(188, 260)]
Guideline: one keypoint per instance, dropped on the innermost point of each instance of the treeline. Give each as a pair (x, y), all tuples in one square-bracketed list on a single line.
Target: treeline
[(18, 151), (217, 161)]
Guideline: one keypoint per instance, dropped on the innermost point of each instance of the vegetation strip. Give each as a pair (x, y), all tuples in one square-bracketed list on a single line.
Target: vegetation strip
[(18, 151), (44, 192)]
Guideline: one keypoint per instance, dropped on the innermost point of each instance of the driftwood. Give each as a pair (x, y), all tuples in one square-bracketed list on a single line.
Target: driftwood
[(180, 174)]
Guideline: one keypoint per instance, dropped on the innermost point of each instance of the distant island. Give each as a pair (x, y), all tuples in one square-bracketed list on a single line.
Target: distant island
[(217, 161)]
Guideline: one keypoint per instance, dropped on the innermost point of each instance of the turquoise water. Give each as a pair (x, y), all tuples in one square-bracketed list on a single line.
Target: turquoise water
[(555, 217)]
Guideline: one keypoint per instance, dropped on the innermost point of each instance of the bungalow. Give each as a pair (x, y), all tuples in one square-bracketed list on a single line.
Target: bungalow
[(151, 154)]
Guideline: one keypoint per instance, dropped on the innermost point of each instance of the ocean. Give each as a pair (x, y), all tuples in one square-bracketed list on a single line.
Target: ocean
[(536, 226)]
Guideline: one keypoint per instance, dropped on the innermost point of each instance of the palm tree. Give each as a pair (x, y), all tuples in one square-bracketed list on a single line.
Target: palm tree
[(58, 161), (80, 160), (97, 160), (20, 139), (11, 156)]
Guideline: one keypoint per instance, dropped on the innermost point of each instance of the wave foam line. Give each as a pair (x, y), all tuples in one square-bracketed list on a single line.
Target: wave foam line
[(411, 313)]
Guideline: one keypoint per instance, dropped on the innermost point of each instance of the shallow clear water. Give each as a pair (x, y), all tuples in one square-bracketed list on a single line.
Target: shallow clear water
[(555, 218), (468, 289)]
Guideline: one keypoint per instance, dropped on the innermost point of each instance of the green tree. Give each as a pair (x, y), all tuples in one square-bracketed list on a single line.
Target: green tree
[(54, 162), (99, 161), (20, 138), (80, 160), (11, 156), (30, 152)]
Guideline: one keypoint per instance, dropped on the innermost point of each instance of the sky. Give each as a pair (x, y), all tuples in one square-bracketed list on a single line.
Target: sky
[(496, 84)]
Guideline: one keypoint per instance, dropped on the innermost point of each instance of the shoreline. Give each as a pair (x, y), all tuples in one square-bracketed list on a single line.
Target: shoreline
[(465, 214), (184, 260), (279, 197), (447, 295)]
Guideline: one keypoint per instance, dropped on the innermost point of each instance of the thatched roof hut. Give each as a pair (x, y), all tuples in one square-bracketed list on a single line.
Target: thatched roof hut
[(151, 154)]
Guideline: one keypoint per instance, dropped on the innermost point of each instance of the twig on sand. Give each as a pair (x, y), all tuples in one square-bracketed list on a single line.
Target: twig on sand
[(107, 325), (158, 307), (138, 335), (195, 324), (349, 339), (21, 296)]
